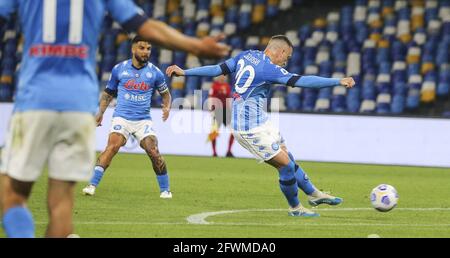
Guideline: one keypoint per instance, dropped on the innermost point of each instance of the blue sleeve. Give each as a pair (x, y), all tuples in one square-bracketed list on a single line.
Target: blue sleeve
[(210, 70), (7, 7), (311, 81), (130, 16), (113, 80), (225, 68), (160, 82), (276, 74)]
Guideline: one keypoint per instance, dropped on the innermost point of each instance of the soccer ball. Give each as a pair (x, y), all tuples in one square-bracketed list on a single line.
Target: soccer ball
[(384, 197)]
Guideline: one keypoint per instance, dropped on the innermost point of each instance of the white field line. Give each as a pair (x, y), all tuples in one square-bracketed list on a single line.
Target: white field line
[(200, 218)]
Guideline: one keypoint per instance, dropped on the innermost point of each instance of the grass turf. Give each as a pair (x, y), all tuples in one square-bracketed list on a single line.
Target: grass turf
[(127, 202)]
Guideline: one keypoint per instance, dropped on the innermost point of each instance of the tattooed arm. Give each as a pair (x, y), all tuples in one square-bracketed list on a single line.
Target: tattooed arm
[(106, 98), (166, 103)]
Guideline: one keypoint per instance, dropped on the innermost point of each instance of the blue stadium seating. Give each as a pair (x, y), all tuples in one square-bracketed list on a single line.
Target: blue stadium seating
[(398, 50)]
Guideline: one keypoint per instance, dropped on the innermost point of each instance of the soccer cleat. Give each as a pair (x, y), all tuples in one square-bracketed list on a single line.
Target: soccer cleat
[(324, 198), (89, 190), (301, 211), (230, 155), (166, 195)]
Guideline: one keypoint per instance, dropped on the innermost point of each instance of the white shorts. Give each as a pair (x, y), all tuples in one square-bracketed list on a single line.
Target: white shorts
[(139, 129), (264, 142), (65, 141)]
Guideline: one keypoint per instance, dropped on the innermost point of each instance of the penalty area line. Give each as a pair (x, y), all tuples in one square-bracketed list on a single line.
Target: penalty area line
[(200, 218)]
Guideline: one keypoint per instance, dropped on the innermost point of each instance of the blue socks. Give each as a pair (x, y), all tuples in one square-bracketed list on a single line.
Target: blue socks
[(288, 184), (98, 174), (18, 223), (302, 179), (163, 181)]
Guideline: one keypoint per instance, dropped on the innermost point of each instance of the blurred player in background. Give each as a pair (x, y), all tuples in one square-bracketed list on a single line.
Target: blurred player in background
[(255, 71), (133, 83), (57, 95), (221, 111)]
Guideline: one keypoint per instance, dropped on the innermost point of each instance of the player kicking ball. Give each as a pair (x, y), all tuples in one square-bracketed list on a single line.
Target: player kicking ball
[(133, 83), (254, 72)]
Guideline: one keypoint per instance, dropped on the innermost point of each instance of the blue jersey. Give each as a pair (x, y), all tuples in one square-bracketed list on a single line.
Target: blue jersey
[(253, 73), (134, 88), (61, 37)]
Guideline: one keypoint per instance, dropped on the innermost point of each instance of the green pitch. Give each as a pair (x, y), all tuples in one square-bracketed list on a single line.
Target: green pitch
[(127, 203)]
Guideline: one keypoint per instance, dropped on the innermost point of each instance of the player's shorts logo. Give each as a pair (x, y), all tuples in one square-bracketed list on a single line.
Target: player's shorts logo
[(117, 127), (275, 146)]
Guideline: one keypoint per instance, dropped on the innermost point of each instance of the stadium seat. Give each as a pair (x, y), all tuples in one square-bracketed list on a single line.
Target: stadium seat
[(400, 49), (6, 92), (293, 98)]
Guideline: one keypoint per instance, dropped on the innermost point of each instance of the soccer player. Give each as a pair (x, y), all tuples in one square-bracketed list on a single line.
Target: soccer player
[(56, 98), (221, 110), (133, 83), (254, 72)]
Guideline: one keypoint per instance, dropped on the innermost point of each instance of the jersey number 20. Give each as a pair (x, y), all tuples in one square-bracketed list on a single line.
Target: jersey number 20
[(242, 70), (75, 25)]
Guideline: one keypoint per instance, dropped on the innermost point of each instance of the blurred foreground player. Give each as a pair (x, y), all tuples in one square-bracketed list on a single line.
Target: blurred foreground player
[(57, 96)]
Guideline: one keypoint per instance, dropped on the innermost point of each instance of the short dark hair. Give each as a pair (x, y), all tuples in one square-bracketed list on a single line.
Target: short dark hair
[(283, 38), (138, 38)]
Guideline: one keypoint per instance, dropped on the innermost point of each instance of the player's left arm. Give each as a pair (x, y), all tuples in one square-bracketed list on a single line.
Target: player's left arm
[(163, 89), (166, 104), (311, 81), (279, 75)]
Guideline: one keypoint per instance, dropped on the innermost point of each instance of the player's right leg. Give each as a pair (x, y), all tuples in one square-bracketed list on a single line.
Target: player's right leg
[(115, 141), (28, 143), (315, 196), (17, 219), (263, 144), (117, 138), (288, 184)]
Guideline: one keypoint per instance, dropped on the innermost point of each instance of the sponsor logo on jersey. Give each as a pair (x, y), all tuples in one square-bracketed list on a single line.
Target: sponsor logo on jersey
[(68, 51), (133, 85), (134, 98)]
